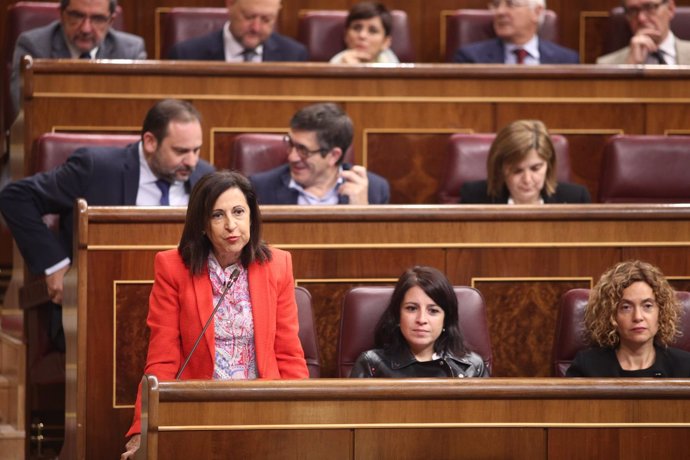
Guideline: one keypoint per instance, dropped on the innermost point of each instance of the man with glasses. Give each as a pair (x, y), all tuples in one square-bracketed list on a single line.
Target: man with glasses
[(83, 31), (315, 173), (248, 36), (652, 41), (516, 24)]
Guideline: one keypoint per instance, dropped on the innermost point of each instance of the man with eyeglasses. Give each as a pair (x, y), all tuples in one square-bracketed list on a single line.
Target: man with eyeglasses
[(516, 24), (83, 31), (315, 173), (248, 36), (652, 41)]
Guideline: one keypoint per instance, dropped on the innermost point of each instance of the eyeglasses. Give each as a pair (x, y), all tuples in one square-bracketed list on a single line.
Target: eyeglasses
[(649, 9), (77, 17), (301, 150), (495, 4)]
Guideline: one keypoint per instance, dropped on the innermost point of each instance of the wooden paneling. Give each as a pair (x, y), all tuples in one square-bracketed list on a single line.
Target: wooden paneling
[(402, 116), (520, 259), (433, 418)]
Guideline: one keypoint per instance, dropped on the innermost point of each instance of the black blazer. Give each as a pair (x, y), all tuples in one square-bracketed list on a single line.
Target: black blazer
[(210, 47), (476, 193), (104, 176), (602, 362)]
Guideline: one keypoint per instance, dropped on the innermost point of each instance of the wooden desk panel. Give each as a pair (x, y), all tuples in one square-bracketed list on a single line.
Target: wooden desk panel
[(405, 113), (421, 418), (521, 259)]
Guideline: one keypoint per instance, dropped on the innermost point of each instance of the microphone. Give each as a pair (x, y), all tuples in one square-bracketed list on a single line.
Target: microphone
[(233, 277)]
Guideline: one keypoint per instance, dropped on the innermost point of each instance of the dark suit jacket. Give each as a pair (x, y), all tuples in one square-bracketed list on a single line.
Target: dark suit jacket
[(475, 192), (49, 42), (272, 187), (180, 304), (104, 176), (210, 47), (492, 52), (602, 362)]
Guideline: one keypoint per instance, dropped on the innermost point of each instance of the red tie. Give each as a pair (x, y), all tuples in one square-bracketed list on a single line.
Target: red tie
[(520, 54)]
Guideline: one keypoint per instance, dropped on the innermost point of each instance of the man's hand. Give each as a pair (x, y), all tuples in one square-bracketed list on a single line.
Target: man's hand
[(356, 185), (645, 41), (132, 446), (55, 284)]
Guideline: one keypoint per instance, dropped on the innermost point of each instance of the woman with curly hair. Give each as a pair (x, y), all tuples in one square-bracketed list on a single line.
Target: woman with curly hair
[(632, 317)]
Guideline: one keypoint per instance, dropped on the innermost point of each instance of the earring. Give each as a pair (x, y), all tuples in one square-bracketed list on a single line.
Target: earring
[(443, 330)]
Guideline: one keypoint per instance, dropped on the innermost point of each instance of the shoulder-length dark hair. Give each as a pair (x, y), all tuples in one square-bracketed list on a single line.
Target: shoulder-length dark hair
[(194, 245), (438, 288)]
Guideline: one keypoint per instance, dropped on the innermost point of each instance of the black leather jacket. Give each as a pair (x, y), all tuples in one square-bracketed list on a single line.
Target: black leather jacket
[(382, 363)]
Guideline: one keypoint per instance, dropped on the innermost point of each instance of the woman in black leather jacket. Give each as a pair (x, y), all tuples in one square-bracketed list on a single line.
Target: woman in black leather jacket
[(418, 334)]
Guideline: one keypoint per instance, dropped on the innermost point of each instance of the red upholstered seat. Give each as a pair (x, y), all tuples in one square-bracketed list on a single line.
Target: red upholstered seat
[(645, 169), (467, 26), (466, 157), (23, 16), (322, 31), (363, 306), (617, 33), (53, 149), (570, 336), (177, 24), (307, 332), (258, 152)]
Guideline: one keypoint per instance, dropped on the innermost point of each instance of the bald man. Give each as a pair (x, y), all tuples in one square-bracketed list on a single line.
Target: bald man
[(248, 36)]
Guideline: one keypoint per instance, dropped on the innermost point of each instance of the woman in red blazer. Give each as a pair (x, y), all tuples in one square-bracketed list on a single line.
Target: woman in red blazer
[(222, 260)]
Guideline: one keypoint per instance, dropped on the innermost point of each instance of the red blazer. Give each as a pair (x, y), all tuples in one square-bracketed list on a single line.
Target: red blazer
[(180, 304)]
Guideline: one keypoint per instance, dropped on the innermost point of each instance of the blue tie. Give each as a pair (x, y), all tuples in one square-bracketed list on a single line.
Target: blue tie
[(85, 55), (164, 187)]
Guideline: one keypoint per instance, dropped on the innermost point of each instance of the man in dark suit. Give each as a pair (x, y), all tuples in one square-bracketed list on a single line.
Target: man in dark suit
[(248, 36), (320, 134), (83, 31), (158, 170), (516, 23)]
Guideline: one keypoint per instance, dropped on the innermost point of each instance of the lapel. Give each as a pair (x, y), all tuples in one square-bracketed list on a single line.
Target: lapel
[(204, 304), (130, 174), (284, 194), (105, 49), (495, 54), (263, 295), (59, 47), (682, 52), (270, 49)]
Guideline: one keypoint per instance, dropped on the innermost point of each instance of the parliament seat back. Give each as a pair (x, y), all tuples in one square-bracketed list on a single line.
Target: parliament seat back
[(322, 32), (617, 32), (466, 156), (307, 332), (52, 149), (178, 24), (571, 336), (466, 26), (645, 169), (363, 307), (257, 152)]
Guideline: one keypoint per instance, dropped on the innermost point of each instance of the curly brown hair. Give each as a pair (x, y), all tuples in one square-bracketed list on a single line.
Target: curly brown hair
[(600, 313)]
